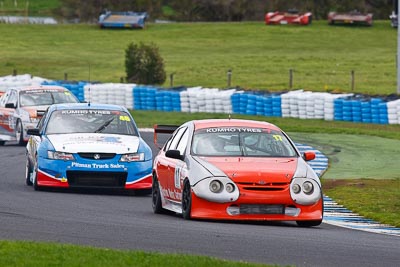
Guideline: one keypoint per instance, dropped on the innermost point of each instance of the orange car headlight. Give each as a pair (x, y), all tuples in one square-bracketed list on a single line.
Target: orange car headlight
[(216, 186), (217, 189), (305, 191)]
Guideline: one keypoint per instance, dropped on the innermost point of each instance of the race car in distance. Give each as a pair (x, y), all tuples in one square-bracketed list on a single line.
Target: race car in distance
[(231, 169), (290, 17), (352, 17), (21, 109), (84, 145)]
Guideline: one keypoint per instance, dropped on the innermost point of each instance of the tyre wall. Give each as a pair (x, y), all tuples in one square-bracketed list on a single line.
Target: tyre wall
[(294, 104)]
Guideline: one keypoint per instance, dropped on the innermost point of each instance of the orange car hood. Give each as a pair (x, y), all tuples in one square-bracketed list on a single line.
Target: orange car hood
[(253, 169)]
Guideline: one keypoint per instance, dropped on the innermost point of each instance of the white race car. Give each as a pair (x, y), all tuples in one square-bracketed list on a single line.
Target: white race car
[(21, 109)]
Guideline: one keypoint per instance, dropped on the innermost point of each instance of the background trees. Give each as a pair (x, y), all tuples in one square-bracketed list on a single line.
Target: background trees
[(219, 10)]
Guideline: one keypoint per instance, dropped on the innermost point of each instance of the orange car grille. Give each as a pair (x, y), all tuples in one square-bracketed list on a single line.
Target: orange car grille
[(262, 209), (263, 186)]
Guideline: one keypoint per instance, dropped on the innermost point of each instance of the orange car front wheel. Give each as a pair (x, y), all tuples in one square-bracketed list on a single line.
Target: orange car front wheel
[(186, 201)]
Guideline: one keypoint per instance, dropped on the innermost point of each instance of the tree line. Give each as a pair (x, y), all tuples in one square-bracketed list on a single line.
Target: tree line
[(219, 10)]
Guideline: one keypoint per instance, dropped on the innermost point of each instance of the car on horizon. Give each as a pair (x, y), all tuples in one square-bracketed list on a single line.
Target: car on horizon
[(21, 108), (230, 169), (353, 17), (292, 16), (86, 145)]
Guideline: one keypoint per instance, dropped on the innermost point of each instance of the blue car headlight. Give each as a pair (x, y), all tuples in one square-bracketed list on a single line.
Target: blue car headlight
[(132, 157), (60, 155)]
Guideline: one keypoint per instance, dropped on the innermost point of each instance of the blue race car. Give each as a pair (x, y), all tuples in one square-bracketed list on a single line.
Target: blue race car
[(88, 146)]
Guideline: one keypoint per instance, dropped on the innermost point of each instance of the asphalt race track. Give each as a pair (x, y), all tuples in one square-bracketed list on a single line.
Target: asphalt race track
[(122, 221)]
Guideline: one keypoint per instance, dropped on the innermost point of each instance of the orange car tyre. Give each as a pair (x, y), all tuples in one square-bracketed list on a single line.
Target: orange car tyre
[(156, 196), (309, 223), (186, 201)]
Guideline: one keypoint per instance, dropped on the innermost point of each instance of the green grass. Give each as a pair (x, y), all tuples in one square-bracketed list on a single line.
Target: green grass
[(260, 56), (50, 254), (374, 199), (355, 156)]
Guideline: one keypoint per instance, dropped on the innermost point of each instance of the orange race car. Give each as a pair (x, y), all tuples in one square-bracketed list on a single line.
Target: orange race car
[(353, 17), (232, 169), (290, 17)]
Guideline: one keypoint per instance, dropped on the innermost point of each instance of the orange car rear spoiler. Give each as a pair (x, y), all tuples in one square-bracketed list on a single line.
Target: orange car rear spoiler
[(163, 129)]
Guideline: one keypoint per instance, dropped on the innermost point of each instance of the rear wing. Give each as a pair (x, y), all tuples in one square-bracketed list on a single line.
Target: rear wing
[(163, 129)]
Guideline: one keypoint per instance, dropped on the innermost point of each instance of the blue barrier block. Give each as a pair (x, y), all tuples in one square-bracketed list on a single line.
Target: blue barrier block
[(347, 118), (347, 109), (355, 103), (375, 101)]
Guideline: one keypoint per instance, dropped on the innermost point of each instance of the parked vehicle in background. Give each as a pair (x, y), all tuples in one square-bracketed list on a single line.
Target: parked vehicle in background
[(353, 17), (289, 17), (128, 19), (84, 145), (21, 109), (230, 169)]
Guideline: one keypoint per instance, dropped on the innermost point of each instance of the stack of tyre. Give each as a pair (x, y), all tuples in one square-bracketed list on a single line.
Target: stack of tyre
[(308, 105), (144, 97), (109, 93), (361, 109), (9, 81), (393, 110), (168, 100)]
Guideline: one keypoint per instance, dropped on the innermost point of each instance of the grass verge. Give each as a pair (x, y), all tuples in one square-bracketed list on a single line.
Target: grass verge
[(375, 199), (23, 253)]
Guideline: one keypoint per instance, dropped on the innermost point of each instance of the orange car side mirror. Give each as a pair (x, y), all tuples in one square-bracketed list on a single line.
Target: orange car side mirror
[(309, 155)]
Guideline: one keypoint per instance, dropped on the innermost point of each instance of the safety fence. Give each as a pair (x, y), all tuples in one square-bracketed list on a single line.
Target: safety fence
[(295, 104)]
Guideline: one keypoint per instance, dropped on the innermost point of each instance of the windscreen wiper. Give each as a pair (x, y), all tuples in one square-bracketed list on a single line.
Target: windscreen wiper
[(104, 125)]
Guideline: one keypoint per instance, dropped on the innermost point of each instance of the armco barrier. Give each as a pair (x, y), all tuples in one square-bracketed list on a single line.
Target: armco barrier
[(296, 103)]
